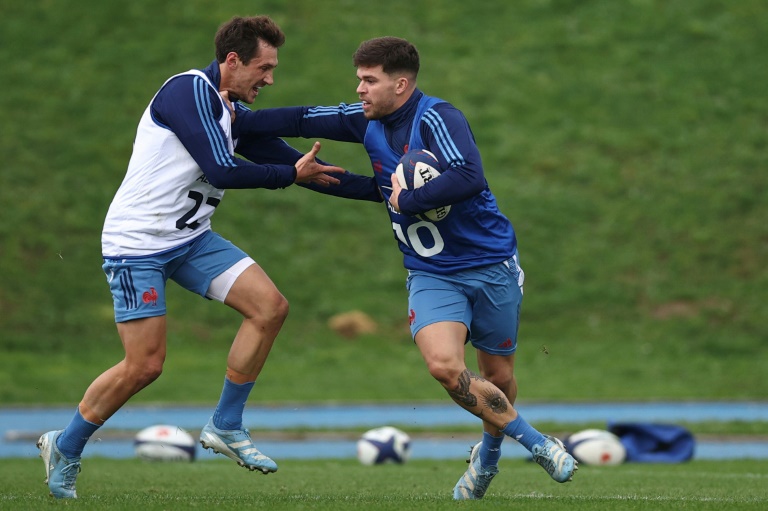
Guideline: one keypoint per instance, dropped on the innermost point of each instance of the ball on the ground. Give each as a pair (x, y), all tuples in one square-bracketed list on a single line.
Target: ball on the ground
[(414, 170), (164, 443), (382, 445), (596, 447)]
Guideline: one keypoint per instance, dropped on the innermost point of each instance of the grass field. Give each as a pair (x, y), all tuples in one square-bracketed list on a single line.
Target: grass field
[(625, 140), (417, 485)]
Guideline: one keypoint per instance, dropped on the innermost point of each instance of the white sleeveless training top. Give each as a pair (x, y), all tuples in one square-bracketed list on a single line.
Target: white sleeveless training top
[(164, 200)]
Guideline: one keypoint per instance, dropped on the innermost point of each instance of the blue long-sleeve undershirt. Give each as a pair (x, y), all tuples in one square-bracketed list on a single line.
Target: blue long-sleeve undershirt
[(445, 132), (273, 149)]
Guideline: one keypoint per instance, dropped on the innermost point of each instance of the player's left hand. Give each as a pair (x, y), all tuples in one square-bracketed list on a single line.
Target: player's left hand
[(396, 188), (225, 96)]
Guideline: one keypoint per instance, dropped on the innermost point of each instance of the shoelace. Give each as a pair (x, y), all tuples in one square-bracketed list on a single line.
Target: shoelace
[(244, 433), (483, 481), (547, 458), (70, 475), (242, 436), (547, 463)]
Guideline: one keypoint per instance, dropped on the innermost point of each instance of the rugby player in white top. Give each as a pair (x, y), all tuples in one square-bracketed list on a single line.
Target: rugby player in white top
[(158, 227)]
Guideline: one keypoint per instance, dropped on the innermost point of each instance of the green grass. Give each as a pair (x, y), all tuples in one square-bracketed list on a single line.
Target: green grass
[(420, 484), (625, 140)]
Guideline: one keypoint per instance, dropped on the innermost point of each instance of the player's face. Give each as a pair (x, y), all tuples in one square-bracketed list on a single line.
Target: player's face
[(245, 80), (378, 91)]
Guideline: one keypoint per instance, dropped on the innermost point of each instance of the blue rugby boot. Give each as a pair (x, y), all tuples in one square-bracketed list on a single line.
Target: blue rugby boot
[(60, 472), (237, 445), (553, 457), (475, 481)]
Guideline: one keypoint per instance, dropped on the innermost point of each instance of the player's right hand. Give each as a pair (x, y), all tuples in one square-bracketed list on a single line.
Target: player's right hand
[(230, 104)]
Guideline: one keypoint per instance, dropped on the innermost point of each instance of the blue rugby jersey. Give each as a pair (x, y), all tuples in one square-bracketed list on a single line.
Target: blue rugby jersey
[(475, 233)]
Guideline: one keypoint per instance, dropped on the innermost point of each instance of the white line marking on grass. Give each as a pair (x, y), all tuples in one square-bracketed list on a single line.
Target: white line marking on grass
[(639, 498), (664, 474)]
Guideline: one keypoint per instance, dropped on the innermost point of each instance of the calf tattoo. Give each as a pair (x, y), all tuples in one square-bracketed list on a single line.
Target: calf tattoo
[(491, 397), (461, 393), (495, 400)]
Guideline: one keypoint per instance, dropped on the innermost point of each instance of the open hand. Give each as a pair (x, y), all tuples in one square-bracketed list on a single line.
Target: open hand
[(310, 171)]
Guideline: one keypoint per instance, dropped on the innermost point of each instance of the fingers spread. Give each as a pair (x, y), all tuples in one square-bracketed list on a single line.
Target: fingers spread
[(315, 149)]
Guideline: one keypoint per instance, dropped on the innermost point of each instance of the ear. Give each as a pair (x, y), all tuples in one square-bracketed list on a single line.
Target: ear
[(231, 60), (402, 85)]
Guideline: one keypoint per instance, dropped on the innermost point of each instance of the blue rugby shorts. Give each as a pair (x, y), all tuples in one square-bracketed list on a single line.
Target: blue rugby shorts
[(486, 300), (138, 283)]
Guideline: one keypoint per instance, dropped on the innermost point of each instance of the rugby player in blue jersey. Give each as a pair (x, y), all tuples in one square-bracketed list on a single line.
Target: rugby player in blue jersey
[(464, 279), (158, 227)]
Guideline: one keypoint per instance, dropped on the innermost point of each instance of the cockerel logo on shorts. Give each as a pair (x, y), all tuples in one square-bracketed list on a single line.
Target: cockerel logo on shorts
[(411, 316), (150, 296)]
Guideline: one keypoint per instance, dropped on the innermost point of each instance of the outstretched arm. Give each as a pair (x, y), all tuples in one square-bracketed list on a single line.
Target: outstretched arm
[(254, 128), (345, 123), (192, 109), (351, 186), (273, 150)]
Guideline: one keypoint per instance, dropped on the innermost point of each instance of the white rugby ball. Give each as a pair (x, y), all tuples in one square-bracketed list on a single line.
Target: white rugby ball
[(383, 445), (164, 443), (596, 447), (417, 168)]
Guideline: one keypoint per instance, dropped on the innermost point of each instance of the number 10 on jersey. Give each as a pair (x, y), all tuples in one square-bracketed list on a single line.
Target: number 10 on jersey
[(415, 236)]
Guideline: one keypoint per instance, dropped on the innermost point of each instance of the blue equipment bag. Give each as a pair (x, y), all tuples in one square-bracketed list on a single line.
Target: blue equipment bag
[(654, 443)]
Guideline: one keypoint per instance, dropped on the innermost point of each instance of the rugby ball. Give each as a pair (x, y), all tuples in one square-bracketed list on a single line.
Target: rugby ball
[(596, 447), (414, 170), (164, 443), (383, 445)]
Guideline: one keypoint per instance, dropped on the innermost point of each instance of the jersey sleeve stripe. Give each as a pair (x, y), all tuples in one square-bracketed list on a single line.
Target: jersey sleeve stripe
[(204, 110), (343, 108), (440, 131)]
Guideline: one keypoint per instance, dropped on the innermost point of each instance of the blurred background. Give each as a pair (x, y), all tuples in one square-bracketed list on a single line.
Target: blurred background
[(626, 141)]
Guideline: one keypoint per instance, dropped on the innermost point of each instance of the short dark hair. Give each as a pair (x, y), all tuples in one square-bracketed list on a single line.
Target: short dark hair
[(242, 35), (393, 54)]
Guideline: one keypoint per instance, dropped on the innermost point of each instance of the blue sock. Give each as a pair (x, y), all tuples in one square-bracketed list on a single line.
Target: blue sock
[(229, 411), (524, 433), (72, 440), (490, 450)]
